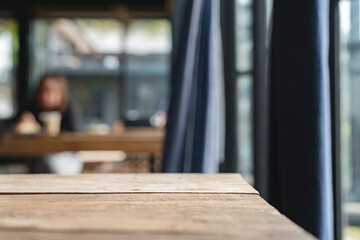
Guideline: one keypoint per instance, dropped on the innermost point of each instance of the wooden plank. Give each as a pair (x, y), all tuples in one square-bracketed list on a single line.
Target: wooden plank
[(21, 235), (220, 215), (142, 140), (125, 183), (38, 235)]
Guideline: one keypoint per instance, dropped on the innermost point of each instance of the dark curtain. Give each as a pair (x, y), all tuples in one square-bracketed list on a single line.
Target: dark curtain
[(195, 127), (300, 131)]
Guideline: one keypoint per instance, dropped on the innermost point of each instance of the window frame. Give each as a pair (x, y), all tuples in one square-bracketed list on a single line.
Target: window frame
[(334, 64)]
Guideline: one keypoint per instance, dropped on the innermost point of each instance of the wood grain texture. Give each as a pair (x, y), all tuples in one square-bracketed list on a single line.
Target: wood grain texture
[(40, 235), (138, 206), (125, 183), (143, 216), (132, 140)]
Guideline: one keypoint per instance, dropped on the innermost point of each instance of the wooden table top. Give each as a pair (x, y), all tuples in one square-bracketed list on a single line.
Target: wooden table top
[(138, 206), (147, 140)]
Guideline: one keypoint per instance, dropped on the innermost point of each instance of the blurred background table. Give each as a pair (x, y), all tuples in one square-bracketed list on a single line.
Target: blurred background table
[(149, 140), (138, 206), (132, 140)]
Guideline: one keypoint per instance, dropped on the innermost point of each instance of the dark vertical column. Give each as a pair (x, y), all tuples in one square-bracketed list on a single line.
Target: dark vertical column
[(23, 65), (335, 115), (300, 146), (228, 33), (260, 99)]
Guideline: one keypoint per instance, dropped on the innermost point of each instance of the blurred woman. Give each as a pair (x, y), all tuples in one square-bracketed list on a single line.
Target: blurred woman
[(51, 96)]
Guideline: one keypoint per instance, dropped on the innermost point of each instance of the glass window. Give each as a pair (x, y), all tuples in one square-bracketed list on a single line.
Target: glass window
[(244, 27), (155, 33), (8, 62), (245, 127), (114, 72), (350, 114), (148, 48), (244, 65), (244, 35)]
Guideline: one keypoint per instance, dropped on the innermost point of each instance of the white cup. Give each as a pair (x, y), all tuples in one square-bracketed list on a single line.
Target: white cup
[(52, 122)]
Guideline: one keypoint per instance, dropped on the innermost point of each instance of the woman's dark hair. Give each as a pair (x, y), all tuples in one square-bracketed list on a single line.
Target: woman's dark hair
[(62, 81)]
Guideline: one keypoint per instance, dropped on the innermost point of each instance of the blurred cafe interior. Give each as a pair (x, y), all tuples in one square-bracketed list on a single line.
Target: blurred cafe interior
[(264, 88), (115, 57)]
